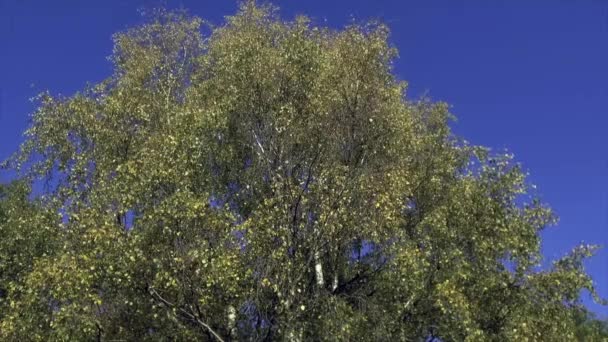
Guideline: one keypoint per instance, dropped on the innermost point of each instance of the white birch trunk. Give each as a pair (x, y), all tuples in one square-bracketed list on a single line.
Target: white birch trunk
[(334, 285), (232, 322), (319, 270)]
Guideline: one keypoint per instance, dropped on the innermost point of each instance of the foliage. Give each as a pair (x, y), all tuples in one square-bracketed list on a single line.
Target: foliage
[(270, 181), (590, 328)]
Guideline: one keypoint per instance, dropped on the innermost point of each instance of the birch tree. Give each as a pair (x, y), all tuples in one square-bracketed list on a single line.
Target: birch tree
[(271, 180)]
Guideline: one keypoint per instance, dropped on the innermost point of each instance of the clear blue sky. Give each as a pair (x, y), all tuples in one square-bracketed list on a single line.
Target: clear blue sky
[(531, 78)]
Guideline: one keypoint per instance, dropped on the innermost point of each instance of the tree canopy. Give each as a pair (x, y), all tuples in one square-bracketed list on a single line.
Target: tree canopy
[(271, 180)]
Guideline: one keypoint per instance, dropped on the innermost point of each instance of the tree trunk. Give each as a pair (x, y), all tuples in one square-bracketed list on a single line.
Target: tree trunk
[(319, 270)]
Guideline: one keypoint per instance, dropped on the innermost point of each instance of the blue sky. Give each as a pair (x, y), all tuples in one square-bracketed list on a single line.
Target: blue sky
[(529, 77)]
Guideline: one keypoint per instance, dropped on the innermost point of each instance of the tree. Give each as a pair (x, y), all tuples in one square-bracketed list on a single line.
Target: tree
[(590, 328), (271, 181), (28, 231)]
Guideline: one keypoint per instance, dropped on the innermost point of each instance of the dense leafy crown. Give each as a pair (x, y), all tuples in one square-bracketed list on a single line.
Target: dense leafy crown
[(270, 181)]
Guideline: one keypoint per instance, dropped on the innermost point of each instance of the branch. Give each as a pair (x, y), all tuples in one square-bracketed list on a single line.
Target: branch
[(359, 278), (154, 293)]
